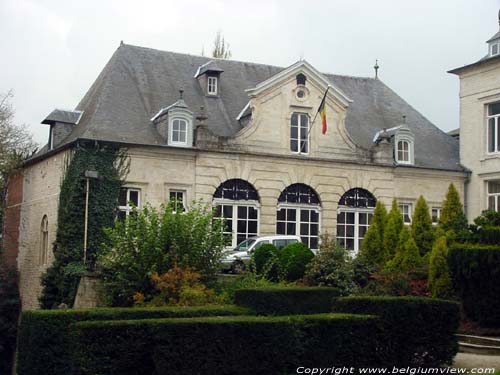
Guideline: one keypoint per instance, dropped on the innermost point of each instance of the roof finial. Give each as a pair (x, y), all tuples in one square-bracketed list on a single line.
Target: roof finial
[(121, 42), (180, 94), (376, 68), (404, 119)]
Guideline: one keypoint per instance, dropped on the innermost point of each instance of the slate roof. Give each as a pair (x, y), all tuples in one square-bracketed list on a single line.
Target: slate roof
[(137, 82), (61, 115)]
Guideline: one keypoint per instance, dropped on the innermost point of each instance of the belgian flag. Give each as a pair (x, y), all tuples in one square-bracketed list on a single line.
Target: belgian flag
[(322, 112)]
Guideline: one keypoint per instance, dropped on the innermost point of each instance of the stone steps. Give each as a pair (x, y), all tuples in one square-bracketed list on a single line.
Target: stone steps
[(479, 345)]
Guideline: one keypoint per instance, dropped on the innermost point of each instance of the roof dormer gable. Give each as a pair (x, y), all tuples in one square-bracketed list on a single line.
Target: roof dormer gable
[(208, 76)]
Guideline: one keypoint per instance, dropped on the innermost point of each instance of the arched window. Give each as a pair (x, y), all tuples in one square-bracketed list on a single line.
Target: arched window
[(298, 213), (301, 79), (237, 202), (178, 133), (299, 133), (44, 241), (354, 215), (403, 152)]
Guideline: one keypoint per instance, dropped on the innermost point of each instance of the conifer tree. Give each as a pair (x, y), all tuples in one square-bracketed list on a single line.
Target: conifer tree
[(452, 215), (439, 283), (407, 257), (392, 230), (372, 246), (421, 227)]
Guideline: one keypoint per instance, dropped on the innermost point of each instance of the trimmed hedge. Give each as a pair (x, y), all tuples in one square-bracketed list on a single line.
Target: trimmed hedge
[(245, 345), (475, 270), (489, 235), (416, 331), (284, 301), (43, 342)]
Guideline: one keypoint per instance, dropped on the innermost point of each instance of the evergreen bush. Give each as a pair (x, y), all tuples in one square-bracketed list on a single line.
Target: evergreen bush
[(393, 230), (10, 306), (372, 247), (440, 284), (293, 259), (421, 227), (452, 220), (265, 258)]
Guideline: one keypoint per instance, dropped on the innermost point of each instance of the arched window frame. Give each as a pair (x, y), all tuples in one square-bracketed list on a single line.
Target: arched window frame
[(402, 136), (236, 207), (43, 255), (312, 209), (355, 216), (182, 114), (296, 140)]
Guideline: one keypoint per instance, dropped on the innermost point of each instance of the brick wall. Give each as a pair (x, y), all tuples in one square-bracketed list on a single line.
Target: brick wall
[(12, 220)]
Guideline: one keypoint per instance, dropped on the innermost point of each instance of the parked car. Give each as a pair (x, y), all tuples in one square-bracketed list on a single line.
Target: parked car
[(236, 259)]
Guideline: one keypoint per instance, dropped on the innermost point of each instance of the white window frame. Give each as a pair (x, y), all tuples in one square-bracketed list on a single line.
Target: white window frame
[(234, 225), (496, 148), (438, 215), (495, 196), (212, 84), (44, 241), (409, 151), (298, 139), (177, 192), (356, 211), (128, 208), (497, 45), (298, 221), (171, 131), (410, 211)]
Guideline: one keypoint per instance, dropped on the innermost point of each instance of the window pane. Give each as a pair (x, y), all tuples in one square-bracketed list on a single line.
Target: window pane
[(304, 229), (491, 135), (294, 132), (362, 231), (350, 230), (291, 214), (242, 212), (494, 109), (281, 214), (294, 119), (304, 147), (341, 217), (122, 198), (340, 230), (491, 202), (304, 215), (280, 228), (362, 218), (134, 197), (290, 228), (227, 211), (252, 213), (314, 229), (252, 227), (242, 226), (294, 145), (494, 187), (314, 243), (350, 218)]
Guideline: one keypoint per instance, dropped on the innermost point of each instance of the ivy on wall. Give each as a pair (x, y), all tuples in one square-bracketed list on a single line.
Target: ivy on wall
[(60, 282)]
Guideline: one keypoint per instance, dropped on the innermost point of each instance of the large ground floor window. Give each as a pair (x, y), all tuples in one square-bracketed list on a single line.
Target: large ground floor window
[(300, 221), (494, 196)]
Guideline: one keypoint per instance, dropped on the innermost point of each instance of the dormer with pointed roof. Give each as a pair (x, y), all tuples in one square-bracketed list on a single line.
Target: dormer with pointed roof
[(494, 42)]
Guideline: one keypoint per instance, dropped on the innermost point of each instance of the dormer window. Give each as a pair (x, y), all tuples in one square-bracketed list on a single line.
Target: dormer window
[(403, 152), (404, 145), (495, 48), (301, 79), (178, 133), (212, 85)]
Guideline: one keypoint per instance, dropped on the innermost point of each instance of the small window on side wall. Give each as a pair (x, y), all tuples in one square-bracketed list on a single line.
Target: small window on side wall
[(128, 199), (178, 200), (435, 215), (406, 212)]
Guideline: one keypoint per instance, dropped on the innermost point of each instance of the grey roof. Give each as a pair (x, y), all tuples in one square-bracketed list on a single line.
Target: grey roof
[(454, 132), (210, 66), (60, 115), (138, 82), (496, 36)]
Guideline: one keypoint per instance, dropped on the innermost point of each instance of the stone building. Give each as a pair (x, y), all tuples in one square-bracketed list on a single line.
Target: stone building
[(244, 137), (480, 128)]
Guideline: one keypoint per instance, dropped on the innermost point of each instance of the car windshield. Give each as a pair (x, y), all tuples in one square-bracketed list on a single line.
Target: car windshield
[(243, 246)]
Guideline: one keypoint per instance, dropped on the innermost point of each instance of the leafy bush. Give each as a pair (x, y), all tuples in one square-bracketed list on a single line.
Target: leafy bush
[(230, 345), (475, 270), (362, 271), (155, 241), (287, 300), (265, 258), (372, 246), (44, 344), (440, 284), (416, 331), (332, 266), (421, 227), (246, 281), (9, 312), (397, 283), (293, 260)]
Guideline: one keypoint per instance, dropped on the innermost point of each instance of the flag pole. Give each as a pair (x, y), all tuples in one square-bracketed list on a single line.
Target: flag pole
[(316, 115)]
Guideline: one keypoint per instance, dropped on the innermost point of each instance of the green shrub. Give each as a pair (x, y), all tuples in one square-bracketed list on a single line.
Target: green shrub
[(288, 300), (392, 230), (416, 331), (9, 312), (155, 241), (332, 266), (440, 284), (421, 227), (475, 270), (265, 258), (489, 235), (372, 246), (407, 256), (225, 346), (452, 220), (293, 260), (43, 342)]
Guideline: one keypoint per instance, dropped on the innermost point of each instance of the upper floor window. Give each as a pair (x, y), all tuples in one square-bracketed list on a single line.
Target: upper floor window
[(127, 200), (494, 49), (301, 79), (406, 211), (212, 85), (494, 195), (177, 199), (178, 131), (299, 133), (403, 152), (493, 137)]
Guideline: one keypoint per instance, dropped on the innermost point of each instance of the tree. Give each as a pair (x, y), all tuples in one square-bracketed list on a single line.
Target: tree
[(440, 284), (221, 48), (392, 230), (421, 227), (372, 246), (452, 220), (407, 256)]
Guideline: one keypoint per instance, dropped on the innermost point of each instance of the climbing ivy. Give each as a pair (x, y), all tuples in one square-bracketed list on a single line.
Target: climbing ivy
[(60, 282)]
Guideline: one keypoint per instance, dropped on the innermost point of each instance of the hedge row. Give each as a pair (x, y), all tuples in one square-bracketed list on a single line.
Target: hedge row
[(475, 270), (229, 345), (416, 331), (43, 342), (489, 235), (276, 301)]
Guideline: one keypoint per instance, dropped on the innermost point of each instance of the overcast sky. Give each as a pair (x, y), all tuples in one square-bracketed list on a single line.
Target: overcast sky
[(52, 50)]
